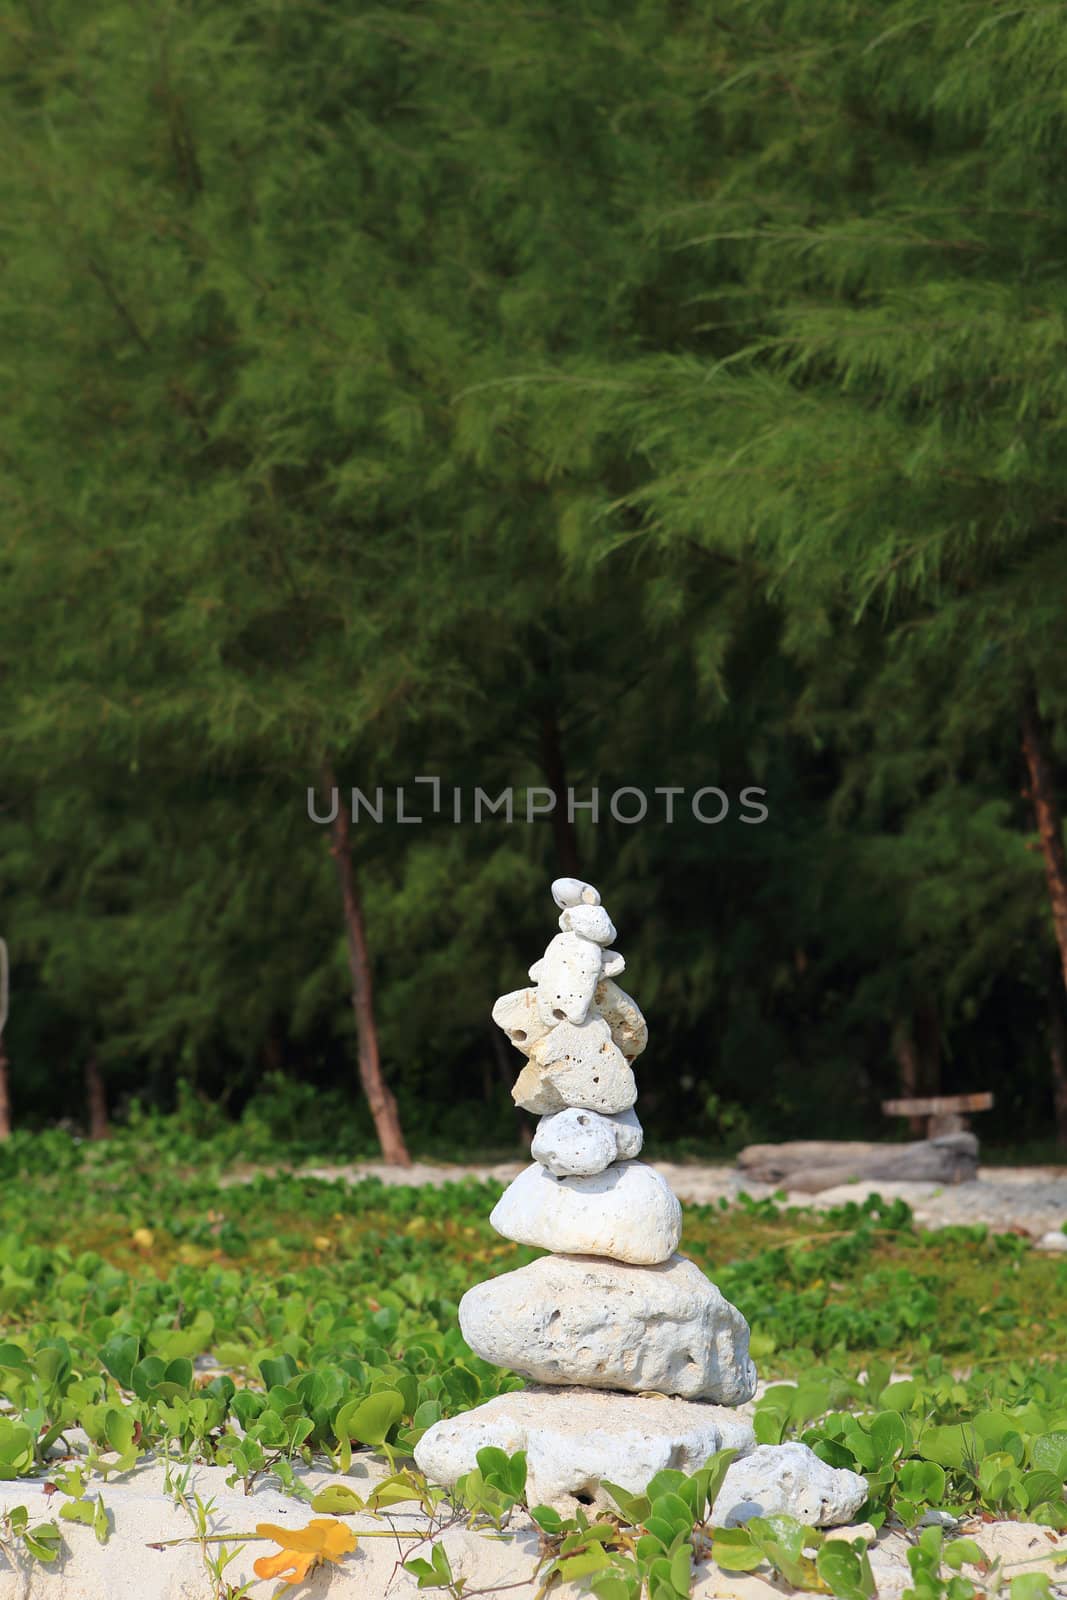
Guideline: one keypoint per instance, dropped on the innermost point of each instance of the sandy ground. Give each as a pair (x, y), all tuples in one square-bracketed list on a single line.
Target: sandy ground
[(141, 1513), (1032, 1200)]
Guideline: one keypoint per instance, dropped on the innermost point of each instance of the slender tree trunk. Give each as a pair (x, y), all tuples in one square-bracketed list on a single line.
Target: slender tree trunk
[(917, 1047), (273, 1051), (1057, 1038), (908, 1064), (927, 1028), (380, 1098), (555, 774), (1042, 794), (96, 1099), (5, 1095)]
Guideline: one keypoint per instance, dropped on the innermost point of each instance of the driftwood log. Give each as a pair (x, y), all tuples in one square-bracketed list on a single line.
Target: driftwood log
[(809, 1165)]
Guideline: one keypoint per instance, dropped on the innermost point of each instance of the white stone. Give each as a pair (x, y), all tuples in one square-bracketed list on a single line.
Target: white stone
[(568, 974), (586, 1044), (627, 1212), (575, 1438), (573, 892), (622, 1015), (612, 964), (1056, 1240), (629, 1134), (576, 1066), (577, 1143), (518, 1015), (588, 922), (605, 1325), (788, 1478)]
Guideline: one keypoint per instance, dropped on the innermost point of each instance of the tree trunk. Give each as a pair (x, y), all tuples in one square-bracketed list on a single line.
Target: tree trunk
[(1042, 794), (908, 1064), (1057, 1031), (917, 1047), (555, 774), (928, 1044), (273, 1049), (5, 1095), (380, 1098), (96, 1100)]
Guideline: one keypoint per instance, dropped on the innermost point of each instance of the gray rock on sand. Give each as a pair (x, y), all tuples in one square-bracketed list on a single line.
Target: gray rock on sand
[(788, 1478)]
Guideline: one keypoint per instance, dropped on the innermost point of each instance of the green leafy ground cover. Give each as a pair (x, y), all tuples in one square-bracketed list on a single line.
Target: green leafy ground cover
[(935, 1363)]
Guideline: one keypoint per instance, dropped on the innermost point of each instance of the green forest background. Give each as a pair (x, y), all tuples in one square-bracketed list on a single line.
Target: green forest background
[(619, 392)]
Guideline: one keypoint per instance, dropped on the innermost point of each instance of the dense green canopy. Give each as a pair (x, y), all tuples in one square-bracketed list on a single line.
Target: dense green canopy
[(624, 393)]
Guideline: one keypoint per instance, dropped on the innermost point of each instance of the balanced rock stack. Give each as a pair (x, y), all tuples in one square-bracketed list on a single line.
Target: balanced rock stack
[(635, 1356)]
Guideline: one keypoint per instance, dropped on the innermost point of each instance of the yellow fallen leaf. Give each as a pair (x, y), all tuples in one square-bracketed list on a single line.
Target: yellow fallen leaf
[(324, 1539), (144, 1238)]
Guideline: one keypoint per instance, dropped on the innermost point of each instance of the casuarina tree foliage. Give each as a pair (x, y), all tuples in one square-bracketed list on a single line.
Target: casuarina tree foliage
[(626, 394)]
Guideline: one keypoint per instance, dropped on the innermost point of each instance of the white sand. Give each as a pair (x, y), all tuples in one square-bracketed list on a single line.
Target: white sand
[(127, 1568)]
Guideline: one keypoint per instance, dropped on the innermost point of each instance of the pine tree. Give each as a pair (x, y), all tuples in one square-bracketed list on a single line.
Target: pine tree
[(556, 396), (866, 419)]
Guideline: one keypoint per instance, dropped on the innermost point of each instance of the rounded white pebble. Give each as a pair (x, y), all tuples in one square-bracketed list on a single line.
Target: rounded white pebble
[(578, 1143), (790, 1479), (575, 1143), (627, 1212)]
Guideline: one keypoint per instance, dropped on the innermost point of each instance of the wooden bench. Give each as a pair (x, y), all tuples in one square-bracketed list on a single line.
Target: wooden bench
[(939, 1113)]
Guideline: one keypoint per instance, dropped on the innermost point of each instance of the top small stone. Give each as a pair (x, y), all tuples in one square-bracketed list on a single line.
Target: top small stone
[(573, 892)]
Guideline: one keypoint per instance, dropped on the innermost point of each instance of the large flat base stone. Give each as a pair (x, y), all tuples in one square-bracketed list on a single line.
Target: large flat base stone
[(575, 1438)]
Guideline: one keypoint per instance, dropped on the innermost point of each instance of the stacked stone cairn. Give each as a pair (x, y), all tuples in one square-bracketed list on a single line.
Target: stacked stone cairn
[(637, 1361)]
